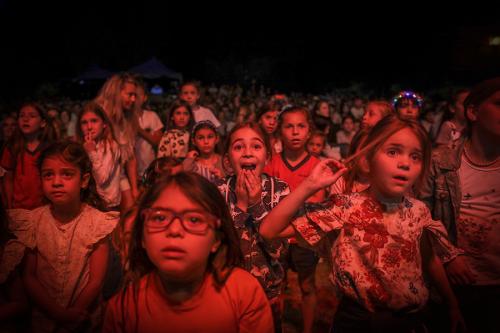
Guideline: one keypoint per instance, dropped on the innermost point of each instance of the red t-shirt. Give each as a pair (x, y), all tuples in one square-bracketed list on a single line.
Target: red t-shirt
[(294, 175), (28, 192)]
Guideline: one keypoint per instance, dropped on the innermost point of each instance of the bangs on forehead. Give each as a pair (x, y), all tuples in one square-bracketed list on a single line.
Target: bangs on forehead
[(256, 136)]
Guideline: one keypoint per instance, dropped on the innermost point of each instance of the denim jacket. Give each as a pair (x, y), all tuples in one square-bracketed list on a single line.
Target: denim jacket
[(441, 189)]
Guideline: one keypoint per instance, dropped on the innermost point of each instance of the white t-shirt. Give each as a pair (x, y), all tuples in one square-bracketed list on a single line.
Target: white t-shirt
[(144, 151), (202, 113), (478, 227)]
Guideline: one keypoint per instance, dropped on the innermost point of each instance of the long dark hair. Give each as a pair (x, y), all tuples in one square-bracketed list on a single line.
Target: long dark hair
[(75, 154), (47, 135), (175, 105), (204, 193), (220, 264)]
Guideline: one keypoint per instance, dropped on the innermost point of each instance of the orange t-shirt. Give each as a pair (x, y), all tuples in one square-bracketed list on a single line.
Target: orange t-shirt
[(239, 306)]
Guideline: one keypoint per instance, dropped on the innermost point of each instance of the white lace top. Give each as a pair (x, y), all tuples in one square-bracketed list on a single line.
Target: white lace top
[(62, 250)]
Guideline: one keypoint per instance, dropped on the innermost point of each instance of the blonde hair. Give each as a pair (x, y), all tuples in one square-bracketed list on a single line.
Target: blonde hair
[(124, 123), (384, 129)]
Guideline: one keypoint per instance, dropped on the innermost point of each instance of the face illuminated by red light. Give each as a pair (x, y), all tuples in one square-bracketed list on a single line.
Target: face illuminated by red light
[(396, 165)]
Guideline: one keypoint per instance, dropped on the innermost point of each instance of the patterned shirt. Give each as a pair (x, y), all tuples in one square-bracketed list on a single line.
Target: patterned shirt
[(376, 257), (263, 259), (478, 226), (174, 143)]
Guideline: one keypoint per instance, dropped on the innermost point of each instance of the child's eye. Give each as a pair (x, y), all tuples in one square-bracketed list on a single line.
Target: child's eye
[(47, 175), (194, 220), (416, 157), (67, 175), (392, 152), (257, 147), (237, 147), (158, 218)]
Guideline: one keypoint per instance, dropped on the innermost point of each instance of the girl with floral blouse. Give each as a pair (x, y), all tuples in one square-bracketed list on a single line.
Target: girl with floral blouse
[(386, 238)]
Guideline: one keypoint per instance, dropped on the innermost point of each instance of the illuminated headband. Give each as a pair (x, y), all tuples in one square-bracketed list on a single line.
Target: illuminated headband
[(203, 124), (407, 95)]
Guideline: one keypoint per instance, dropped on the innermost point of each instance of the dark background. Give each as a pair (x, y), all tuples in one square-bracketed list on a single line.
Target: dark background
[(309, 49)]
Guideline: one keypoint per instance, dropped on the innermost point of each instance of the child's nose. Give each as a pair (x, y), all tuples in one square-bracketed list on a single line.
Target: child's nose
[(56, 181), (175, 228), (404, 162)]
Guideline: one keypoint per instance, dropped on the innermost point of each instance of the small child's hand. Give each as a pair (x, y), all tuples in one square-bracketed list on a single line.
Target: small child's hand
[(241, 192), (192, 154), (89, 144), (253, 185), (325, 173)]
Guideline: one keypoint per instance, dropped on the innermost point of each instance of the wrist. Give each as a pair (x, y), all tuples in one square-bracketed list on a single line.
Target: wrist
[(308, 187)]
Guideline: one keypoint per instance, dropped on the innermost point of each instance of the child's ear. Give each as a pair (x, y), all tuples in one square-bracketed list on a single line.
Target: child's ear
[(471, 113), (43, 124), (215, 245), (85, 180), (364, 165)]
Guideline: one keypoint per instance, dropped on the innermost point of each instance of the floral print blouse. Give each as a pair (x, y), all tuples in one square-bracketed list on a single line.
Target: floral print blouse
[(376, 256), (263, 259)]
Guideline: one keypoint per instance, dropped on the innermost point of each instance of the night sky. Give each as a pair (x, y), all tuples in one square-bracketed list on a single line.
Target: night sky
[(298, 49)]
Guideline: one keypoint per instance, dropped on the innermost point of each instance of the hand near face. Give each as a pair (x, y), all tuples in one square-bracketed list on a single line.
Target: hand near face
[(253, 186), (89, 144), (241, 192), (325, 173), (192, 154)]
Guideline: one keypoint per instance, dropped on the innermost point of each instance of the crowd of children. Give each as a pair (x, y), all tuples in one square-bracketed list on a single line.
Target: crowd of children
[(144, 221)]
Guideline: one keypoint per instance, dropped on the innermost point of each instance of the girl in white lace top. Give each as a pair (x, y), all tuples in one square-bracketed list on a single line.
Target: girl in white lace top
[(66, 240)]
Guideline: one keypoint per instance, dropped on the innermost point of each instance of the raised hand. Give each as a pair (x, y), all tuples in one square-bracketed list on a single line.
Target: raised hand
[(325, 173)]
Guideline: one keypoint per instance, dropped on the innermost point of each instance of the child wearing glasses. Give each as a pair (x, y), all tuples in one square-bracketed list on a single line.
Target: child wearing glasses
[(184, 255)]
